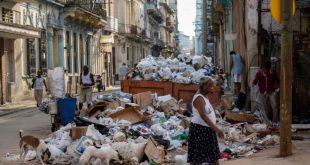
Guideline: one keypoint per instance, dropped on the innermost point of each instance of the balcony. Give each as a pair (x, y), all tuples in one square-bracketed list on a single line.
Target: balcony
[(154, 11), (11, 26), (112, 25), (134, 29), (92, 14), (166, 6)]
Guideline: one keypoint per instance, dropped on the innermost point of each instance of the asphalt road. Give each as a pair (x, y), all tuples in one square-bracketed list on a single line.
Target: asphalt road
[(31, 121)]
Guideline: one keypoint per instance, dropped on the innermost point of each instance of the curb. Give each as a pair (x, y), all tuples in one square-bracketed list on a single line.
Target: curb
[(11, 111)]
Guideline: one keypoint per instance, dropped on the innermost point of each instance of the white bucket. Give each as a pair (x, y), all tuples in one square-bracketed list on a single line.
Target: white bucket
[(52, 108)]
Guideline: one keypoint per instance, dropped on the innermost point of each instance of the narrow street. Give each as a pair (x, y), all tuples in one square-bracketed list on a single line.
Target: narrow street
[(32, 121)]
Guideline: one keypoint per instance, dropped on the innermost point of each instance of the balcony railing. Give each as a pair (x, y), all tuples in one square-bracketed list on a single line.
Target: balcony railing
[(112, 24), (123, 28), (96, 8), (10, 16)]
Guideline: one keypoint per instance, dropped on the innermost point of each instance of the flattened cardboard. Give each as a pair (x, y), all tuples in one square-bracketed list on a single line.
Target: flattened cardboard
[(130, 114), (154, 152)]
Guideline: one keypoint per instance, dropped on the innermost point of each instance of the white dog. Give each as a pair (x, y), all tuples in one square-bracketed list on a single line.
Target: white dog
[(105, 153)]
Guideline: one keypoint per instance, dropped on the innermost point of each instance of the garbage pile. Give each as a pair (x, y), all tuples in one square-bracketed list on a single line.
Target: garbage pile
[(144, 129), (183, 69)]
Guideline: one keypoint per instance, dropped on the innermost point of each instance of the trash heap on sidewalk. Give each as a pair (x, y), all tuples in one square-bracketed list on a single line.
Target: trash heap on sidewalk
[(148, 129), (187, 70)]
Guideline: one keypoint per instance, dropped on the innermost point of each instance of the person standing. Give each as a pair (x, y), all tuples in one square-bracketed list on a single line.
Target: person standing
[(122, 71), (268, 84), (37, 85), (202, 140), (236, 67), (86, 82)]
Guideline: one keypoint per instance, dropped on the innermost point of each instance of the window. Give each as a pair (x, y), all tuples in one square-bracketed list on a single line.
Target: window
[(31, 57), (42, 54), (88, 50), (75, 50)]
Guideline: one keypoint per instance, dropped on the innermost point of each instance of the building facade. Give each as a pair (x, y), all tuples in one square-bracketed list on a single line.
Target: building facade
[(24, 46), (185, 43), (198, 25), (80, 40), (44, 34), (168, 9)]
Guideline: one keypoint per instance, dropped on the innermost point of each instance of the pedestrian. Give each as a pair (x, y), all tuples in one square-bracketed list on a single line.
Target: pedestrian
[(236, 67), (202, 143), (122, 71), (86, 82), (37, 85), (268, 85)]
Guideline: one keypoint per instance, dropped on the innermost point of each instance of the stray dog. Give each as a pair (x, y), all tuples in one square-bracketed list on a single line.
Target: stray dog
[(105, 153), (30, 142)]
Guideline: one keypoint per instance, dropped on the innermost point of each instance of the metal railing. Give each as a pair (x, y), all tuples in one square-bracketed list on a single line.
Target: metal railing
[(10, 16), (112, 24), (96, 8)]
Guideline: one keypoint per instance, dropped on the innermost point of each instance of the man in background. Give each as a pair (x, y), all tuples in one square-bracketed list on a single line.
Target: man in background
[(122, 71), (237, 67)]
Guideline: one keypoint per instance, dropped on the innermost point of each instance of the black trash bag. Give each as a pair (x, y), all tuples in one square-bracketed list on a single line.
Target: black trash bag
[(161, 141)]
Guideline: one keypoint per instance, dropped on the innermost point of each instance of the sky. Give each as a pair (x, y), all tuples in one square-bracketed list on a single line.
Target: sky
[(186, 16)]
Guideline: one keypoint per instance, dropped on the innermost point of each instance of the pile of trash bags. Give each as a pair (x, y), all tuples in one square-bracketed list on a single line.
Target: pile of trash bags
[(184, 69)]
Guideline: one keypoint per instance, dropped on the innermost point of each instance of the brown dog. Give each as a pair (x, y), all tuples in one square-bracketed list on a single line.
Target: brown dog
[(30, 142)]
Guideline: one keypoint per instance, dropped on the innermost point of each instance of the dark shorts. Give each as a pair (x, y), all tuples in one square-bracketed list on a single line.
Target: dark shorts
[(202, 145)]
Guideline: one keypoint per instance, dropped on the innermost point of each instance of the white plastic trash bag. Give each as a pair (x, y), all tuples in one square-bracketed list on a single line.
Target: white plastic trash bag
[(56, 82)]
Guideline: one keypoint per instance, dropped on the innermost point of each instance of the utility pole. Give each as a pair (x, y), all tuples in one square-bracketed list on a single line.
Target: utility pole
[(204, 28), (259, 31), (286, 79)]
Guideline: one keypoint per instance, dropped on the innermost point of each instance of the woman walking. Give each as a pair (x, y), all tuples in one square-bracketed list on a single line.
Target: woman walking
[(202, 144)]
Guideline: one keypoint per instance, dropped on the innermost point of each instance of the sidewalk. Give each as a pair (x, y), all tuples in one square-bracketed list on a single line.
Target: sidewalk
[(10, 108)]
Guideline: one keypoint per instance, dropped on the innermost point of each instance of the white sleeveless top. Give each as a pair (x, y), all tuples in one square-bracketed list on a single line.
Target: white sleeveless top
[(209, 111), (86, 79), (38, 83)]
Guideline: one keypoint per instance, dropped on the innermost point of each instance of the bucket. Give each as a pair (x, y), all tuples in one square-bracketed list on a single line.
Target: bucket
[(66, 109), (52, 108)]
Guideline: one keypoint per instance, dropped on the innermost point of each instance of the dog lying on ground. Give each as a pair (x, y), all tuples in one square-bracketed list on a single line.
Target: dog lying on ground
[(29, 142), (105, 153)]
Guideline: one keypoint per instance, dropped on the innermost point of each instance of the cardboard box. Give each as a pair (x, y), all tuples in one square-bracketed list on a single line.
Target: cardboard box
[(78, 132), (144, 99), (155, 152), (131, 114)]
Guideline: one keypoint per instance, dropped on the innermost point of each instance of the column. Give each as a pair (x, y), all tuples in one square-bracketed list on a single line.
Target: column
[(61, 49), (50, 62)]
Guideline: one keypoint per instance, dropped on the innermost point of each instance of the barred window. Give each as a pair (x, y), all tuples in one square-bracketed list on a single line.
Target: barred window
[(42, 53), (31, 57), (68, 43), (31, 60)]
